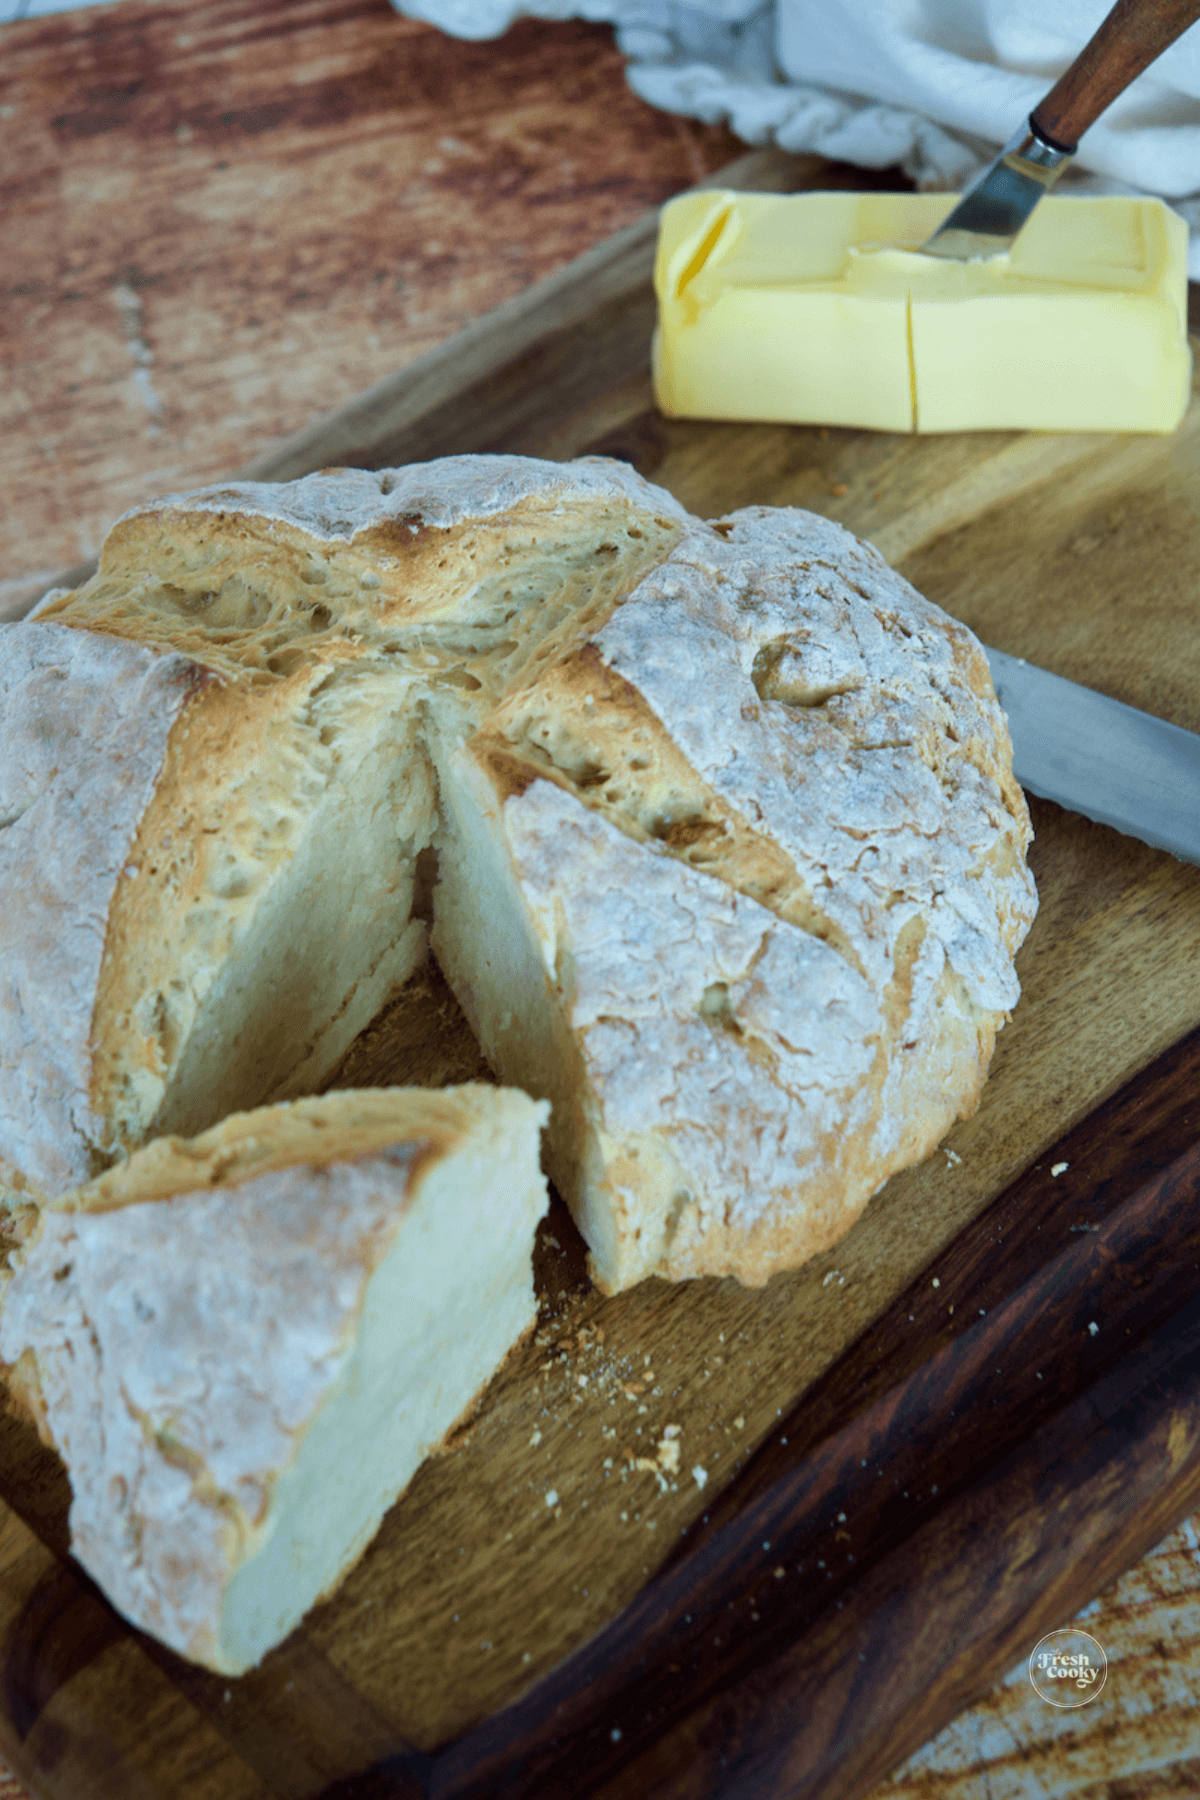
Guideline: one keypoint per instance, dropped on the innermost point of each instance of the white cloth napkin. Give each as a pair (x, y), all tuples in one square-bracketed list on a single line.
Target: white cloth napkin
[(934, 85)]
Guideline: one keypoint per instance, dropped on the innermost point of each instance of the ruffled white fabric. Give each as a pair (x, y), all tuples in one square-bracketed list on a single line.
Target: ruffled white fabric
[(934, 85)]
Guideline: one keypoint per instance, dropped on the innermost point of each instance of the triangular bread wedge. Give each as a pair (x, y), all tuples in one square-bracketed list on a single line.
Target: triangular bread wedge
[(737, 882), (244, 1344)]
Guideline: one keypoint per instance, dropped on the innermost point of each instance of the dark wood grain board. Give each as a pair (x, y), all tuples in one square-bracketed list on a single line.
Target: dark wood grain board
[(650, 1608)]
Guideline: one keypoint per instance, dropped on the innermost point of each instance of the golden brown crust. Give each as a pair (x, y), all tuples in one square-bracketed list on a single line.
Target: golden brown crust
[(582, 725), (315, 1133), (25, 1396)]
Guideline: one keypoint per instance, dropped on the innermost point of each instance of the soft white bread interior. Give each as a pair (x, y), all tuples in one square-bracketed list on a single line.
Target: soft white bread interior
[(215, 786), (244, 1344)]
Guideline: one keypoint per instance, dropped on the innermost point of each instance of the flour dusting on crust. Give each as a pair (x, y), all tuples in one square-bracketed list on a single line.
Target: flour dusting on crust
[(338, 504), (857, 726), (702, 1017), (84, 722), (193, 1336)]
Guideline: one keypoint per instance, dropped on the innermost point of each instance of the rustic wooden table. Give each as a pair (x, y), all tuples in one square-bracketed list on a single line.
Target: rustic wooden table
[(221, 222)]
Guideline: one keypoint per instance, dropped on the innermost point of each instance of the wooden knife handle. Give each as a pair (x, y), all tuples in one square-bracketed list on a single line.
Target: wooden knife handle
[(1133, 35)]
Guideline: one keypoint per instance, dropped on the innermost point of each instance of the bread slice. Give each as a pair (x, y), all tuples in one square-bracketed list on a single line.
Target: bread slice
[(737, 883), (215, 787), (244, 1344)]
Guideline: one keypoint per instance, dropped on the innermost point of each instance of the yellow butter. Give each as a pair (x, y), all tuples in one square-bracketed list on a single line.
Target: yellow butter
[(820, 308)]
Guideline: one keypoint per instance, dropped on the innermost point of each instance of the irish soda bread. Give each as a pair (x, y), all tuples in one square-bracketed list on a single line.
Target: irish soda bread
[(244, 1344), (730, 858)]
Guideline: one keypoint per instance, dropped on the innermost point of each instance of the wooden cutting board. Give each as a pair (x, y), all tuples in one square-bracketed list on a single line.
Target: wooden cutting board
[(898, 1467)]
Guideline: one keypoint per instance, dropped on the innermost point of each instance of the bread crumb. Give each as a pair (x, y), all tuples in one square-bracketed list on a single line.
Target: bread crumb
[(936, 1282), (952, 1157), (1093, 1329), (739, 1423), (1059, 1168), (699, 1475), (832, 1276), (552, 1497), (536, 1439), (668, 1450), (665, 1460)]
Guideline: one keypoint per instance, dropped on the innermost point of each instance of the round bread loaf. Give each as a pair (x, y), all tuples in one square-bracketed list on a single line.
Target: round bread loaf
[(731, 861)]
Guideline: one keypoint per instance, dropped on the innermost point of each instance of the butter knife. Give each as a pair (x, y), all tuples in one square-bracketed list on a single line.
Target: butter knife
[(998, 202), (1101, 758)]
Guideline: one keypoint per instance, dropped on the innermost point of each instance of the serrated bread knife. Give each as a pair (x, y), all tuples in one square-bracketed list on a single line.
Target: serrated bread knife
[(1101, 758)]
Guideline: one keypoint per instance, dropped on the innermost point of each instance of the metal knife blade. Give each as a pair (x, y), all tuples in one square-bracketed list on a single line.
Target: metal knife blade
[(1101, 758), (998, 202)]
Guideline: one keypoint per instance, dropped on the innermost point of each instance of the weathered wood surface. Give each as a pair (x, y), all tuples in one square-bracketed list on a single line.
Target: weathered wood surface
[(1142, 1745), (1080, 552), (219, 219)]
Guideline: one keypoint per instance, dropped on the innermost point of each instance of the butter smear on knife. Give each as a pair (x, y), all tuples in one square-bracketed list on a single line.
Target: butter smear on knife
[(820, 308)]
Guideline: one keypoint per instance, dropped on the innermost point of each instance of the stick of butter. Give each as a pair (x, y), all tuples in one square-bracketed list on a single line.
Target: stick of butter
[(820, 308)]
